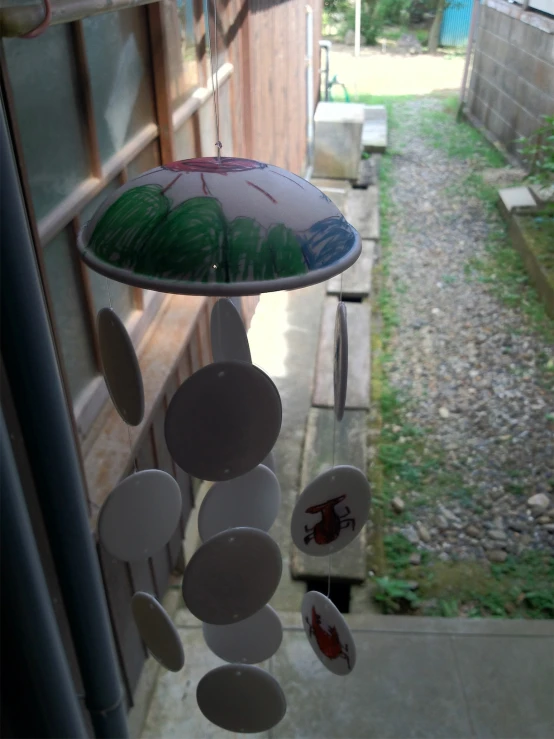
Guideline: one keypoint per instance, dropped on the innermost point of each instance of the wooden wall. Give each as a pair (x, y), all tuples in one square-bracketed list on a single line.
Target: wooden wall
[(264, 105), (269, 83)]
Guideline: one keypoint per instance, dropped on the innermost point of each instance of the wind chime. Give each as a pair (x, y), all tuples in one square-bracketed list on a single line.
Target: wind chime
[(226, 227)]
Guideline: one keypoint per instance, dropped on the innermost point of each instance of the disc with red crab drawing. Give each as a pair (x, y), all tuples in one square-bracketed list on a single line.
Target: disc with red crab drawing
[(331, 511), (328, 633)]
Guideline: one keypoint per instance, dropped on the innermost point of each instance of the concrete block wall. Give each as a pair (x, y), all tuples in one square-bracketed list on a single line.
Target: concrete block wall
[(512, 79)]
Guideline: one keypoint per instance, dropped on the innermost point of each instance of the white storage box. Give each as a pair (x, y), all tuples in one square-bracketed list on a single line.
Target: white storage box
[(338, 140)]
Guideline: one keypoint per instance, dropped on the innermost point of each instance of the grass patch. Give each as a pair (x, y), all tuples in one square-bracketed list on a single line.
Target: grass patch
[(457, 139), (539, 230), (406, 462), (518, 588)]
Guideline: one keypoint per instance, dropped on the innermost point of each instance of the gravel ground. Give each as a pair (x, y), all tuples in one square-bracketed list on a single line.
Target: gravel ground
[(471, 365)]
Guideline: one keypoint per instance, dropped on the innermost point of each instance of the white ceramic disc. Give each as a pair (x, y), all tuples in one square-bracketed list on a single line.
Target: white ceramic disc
[(229, 340), (270, 462), (331, 511), (241, 698), (340, 363), (232, 576), (158, 631), (328, 633), (120, 366), (140, 515), (251, 500), (223, 420), (250, 641)]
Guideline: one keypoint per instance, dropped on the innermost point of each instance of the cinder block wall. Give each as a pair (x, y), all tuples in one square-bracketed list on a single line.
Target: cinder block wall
[(512, 80)]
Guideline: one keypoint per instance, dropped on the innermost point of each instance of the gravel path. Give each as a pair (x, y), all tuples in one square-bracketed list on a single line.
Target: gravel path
[(472, 366)]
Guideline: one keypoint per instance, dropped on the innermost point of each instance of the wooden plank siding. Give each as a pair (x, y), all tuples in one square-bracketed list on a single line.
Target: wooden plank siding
[(265, 113)]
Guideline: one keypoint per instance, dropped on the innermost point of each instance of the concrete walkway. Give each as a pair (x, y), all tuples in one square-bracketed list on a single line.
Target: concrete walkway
[(415, 677)]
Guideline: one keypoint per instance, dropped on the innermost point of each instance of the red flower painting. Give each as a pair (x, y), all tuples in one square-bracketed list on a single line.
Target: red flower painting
[(212, 165)]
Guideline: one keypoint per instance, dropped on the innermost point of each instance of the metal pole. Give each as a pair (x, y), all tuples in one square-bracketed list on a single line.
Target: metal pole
[(472, 28), (357, 27), (51, 693), (34, 378)]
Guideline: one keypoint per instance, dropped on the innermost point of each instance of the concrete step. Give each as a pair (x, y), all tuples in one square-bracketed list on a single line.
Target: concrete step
[(350, 448), (362, 211), (374, 132), (515, 198), (355, 282), (357, 395)]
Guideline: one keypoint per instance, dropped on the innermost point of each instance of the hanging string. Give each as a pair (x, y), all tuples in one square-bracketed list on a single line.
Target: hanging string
[(135, 468), (215, 79)]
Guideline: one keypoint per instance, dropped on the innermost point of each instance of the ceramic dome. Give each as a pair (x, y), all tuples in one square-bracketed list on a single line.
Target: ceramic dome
[(218, 227)]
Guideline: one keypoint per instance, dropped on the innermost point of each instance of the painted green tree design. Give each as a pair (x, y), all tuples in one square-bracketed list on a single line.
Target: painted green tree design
[(194, 241)]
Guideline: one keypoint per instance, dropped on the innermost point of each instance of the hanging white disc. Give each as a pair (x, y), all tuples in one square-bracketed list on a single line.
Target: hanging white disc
[(253, 640), (223, 420), (328, 633), (120, 367), (340, 364), (229, 339), (331, 511), (232, 576), (241, 698), (140, 515), (251, 500), (270, 462), (158, 631)]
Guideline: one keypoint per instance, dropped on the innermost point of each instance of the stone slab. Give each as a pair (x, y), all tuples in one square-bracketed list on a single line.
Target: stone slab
[(473, 678), (336, 190), (509, 685), (350, 448), (374, 133), (355, 282), (357, 394), (515, 197), (362, 211), (402, 686)]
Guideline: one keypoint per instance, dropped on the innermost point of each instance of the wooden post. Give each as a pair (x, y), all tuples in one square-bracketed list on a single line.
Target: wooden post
[(160, 65)]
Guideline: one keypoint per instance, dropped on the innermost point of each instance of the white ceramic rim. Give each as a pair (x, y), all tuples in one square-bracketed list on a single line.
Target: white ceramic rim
[(220, 289)]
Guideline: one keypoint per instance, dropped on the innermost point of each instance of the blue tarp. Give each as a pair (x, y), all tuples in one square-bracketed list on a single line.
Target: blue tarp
[(455, 23)]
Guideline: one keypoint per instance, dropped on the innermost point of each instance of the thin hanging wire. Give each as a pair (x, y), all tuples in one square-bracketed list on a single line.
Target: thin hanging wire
[(213, 70), (135, 468)]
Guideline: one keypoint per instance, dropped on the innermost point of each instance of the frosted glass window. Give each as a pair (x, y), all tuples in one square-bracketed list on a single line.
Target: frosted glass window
[(118, 55), (104, 289), (181, 50), (74, 330), (184, 141), (147, 159), (45, 90)]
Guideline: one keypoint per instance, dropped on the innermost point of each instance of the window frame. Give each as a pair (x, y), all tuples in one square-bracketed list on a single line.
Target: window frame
[(90, 402)]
